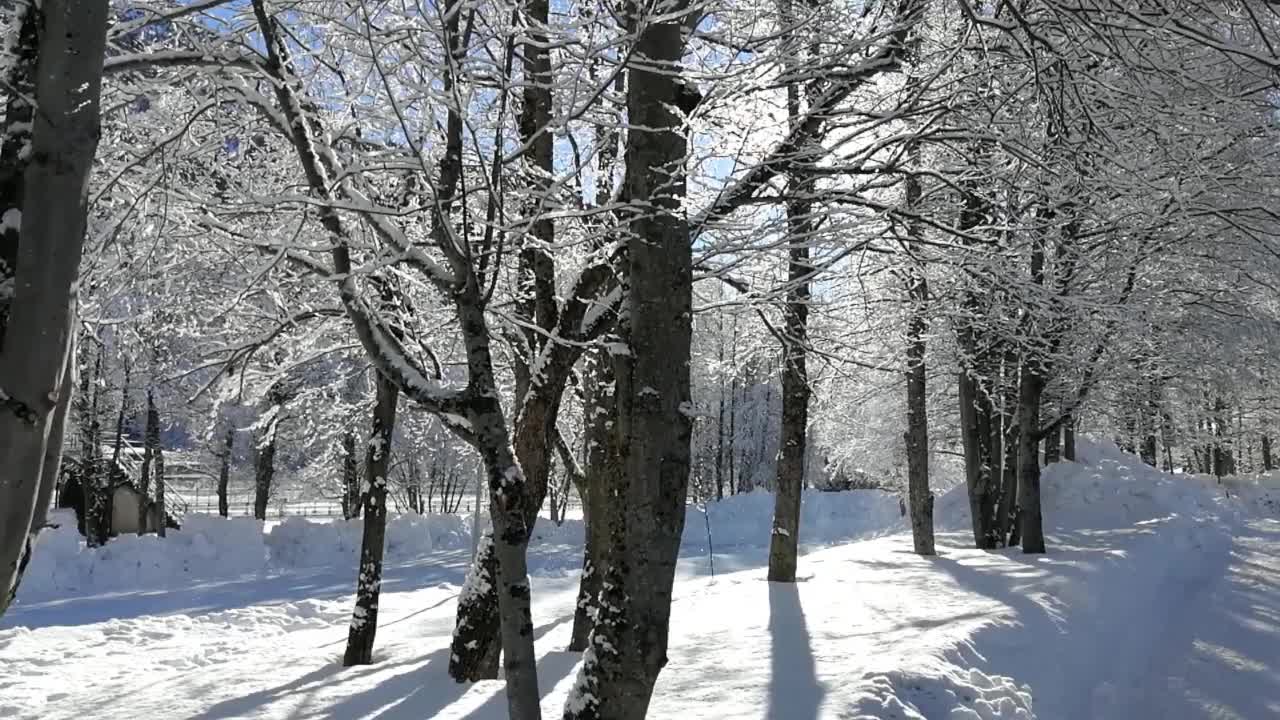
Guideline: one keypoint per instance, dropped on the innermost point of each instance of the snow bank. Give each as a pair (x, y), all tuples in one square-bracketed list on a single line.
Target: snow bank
[(1107, 488), (205, 548), (825, 518), (209, 548), (299, 542)]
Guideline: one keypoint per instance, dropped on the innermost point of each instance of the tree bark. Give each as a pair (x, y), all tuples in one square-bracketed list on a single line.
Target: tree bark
[(917, 435), (64, 139), (1006, 514), (364, 618), (224, 470), (264, 469), (48, 473), (95, 480), (1030, 523), (602, 469), (789, 482), (350, 478), (628, 645), (1069, 438), (150, 453), (1053, 445)]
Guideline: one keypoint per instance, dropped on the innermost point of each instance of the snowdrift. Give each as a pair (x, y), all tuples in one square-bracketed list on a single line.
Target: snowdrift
[(211, 548), (745, 521), (1106, 489)]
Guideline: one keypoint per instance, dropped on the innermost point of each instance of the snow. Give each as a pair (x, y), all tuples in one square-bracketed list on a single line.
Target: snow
[(1159, 598)]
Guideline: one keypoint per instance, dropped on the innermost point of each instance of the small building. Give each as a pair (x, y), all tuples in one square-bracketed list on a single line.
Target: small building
[(131, 513)]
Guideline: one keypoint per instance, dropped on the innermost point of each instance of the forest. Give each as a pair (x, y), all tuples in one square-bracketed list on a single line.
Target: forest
[(975, 278)]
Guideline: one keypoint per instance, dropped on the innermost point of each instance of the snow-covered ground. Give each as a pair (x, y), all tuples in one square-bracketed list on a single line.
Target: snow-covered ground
[(1159, 598)]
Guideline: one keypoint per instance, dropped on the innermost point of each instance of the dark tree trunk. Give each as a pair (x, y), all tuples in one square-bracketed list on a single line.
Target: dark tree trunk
[(1069, 438), (1006, 514), (224, 470), (976, 412), (95, 480), (917, 435), (1030, 523), (1147, 451), (628, 645), (118, 446), (364, 618), (350, 477), (789, 482), (161, 511), (150, 462), (264, 469), (1267, 464), (1053, 445), (602, 470), (793, 430)]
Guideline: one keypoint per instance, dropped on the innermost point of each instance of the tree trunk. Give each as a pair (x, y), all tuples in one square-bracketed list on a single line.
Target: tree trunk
[(364, 618), (1030, 523), (1069, 438), (64, 140), (792, 441), (628, 645), (162, 512), (602, 470), (150, 457), (720, 449), (917, 435), (224, 470), (1006, 513), (1053, 446), (48, 473), (350, 477), (1147, 451), (264, 469), (1267, 464)]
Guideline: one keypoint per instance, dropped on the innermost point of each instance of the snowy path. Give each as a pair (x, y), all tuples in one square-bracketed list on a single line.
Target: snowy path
[(1156, 601)]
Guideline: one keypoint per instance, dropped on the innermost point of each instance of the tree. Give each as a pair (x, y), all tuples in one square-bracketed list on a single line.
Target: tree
[(35, 376), (364, 618), (628, 645)]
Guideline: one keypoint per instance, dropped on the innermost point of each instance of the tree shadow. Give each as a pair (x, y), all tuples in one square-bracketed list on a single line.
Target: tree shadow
[(794, 690)]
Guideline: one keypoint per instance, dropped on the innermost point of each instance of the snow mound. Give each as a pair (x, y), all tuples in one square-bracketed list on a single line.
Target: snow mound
[(942, 691), (825, 518), (205, 548), (1107, 488), (300, 542)]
